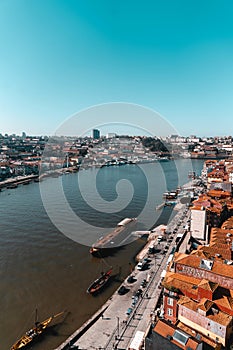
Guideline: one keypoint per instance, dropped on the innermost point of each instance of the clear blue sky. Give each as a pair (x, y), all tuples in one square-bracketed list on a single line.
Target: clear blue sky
[(60, 56)]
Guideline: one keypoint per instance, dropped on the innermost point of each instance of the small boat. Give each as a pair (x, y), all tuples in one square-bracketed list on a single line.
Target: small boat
[(26, 183), (170, 195), (33, 333), (100, 282), (14, 185)]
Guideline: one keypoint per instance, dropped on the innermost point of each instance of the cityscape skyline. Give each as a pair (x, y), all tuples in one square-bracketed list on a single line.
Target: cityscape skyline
[(58, 58)]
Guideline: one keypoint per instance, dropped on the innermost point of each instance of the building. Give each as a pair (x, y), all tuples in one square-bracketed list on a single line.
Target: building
[(111, 135), (95, 134), (198, 223), (168, 337), (206, 318)]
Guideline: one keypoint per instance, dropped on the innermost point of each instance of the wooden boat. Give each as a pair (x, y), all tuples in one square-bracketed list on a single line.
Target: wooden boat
[(33, 333), (100, 282)]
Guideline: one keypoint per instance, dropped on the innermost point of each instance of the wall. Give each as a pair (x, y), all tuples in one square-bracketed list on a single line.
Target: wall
[(223, 281), (202, 324), (198, 222)]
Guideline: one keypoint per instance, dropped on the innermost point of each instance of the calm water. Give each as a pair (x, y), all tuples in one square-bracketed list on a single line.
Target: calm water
[(41, 268)]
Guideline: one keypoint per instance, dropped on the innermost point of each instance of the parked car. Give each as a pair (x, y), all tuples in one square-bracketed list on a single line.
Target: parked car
[(151, 250), (142, 264), (143, 284), (139, 292), (131, 279), (123, 290), (134, 301), (129, 310)]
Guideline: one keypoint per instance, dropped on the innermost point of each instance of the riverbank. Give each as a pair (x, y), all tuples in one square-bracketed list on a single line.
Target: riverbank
[(19, 180), (13, 182), (117, 321)]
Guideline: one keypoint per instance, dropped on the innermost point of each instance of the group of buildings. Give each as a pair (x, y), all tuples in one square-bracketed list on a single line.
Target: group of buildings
[(200, 147), (20, 155), (23, 155), (197, 305)]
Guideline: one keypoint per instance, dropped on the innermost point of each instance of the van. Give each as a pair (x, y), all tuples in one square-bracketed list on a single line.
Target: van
[(160, 238), (142, 264)]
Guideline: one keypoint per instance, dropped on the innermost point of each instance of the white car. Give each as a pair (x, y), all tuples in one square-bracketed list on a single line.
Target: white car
[(140, 266)]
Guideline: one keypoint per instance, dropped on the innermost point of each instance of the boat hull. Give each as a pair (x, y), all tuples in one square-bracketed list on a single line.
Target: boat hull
[(99, 283), (34, 333), (106, 245)]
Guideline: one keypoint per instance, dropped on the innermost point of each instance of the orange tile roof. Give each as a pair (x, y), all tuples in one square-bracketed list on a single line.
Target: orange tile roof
[(218, 248), (201, 253), (218, 267), (207, 285), (164, 329), (181, 282), (218, 193), (228, 224), (192, 332), (220, 317), (225, 301), (205, 304)]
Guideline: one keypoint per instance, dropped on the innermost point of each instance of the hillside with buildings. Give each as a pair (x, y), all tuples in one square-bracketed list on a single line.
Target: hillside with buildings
[(22, 155), (196, 311)]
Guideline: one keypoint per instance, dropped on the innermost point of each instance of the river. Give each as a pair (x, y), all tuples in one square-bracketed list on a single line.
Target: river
[(40, 268)]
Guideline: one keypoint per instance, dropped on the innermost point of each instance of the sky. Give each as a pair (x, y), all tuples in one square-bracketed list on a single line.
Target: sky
[(58, 57)]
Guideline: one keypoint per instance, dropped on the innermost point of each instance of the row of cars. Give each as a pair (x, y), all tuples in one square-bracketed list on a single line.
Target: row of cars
[(142, 265), (136, 296)]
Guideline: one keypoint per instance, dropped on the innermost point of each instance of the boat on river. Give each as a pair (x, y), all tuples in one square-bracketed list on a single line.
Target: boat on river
[(100, 282), (114, 238), (34, 332)]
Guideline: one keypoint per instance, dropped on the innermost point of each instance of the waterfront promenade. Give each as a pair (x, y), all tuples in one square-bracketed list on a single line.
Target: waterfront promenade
[(111, 327)]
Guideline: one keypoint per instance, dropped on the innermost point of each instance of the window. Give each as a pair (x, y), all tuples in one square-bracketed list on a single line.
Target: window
[(170, 312), (170, 301), (181, 337)]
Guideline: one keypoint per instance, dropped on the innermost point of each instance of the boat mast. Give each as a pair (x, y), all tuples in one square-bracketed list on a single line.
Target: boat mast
[(36, 318)]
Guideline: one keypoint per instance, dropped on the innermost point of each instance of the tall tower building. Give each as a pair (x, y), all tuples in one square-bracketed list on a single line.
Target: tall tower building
[(95, 134)]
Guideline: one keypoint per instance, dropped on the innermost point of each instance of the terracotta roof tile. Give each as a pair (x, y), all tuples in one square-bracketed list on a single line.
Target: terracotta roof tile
[(218, 267), (207, 285), (164, 329), (225, 301), (220, 317), (205, 304), (181, 282), (192, 332)]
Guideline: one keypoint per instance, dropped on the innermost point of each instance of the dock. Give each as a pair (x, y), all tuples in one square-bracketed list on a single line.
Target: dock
[(160, 206)]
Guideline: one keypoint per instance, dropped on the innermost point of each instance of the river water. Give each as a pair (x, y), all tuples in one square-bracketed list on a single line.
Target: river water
[(40, 268)]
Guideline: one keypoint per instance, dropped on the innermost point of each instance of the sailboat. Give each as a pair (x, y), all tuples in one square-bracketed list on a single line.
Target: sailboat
[(34, 332), (101, 281)]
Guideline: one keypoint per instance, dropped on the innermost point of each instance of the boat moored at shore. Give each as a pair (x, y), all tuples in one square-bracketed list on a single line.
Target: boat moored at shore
[(100, 282), (33, 333), (114, 238)]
